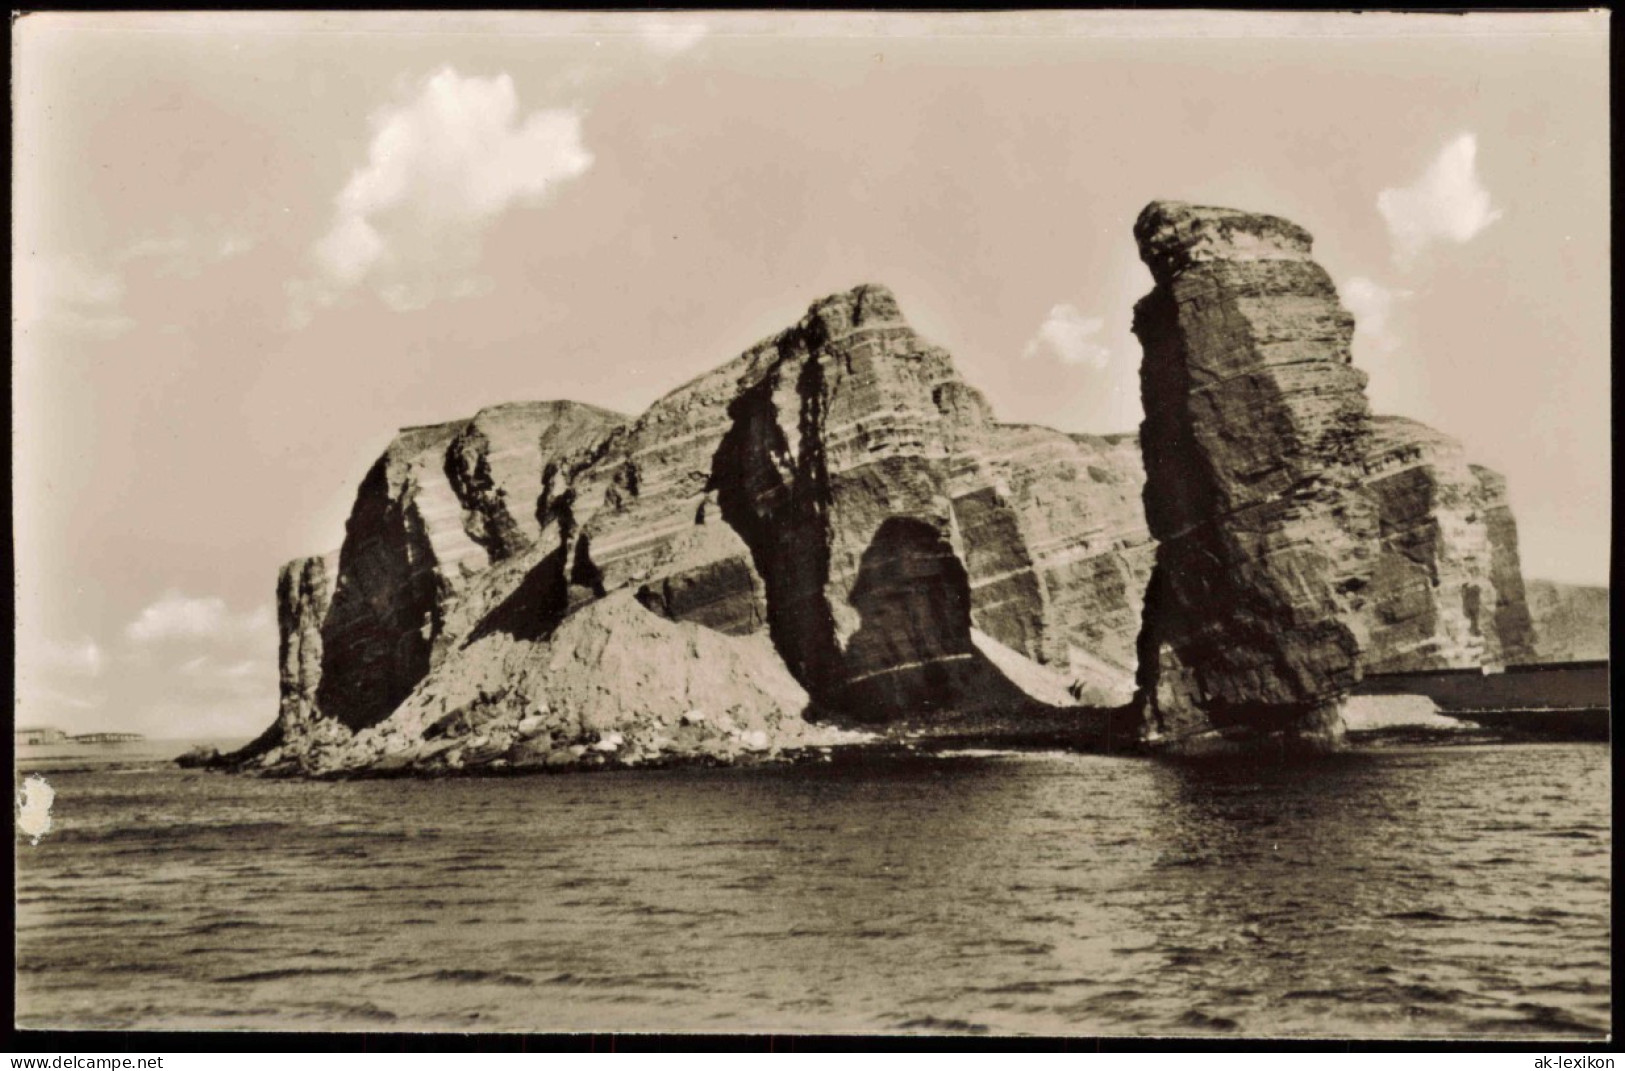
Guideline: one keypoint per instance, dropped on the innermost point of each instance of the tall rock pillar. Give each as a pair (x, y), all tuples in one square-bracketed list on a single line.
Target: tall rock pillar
[(304, 591), (1255, 428)]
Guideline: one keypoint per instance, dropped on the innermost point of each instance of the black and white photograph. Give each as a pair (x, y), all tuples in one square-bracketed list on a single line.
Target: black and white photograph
[(1058, 524)]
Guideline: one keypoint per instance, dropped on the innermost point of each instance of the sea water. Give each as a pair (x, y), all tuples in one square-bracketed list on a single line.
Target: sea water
[(1401, 892)]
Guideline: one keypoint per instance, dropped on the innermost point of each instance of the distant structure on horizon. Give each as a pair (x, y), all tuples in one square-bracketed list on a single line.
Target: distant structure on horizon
[(37, 736)]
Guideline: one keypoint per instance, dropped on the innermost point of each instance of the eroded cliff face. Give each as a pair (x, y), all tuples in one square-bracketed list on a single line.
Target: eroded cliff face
[(1515, 634), (611, 684), (835, 509), (857, 469), (1448, 590), (304, 592), (832, 532), (1571, 621), (1255, 430), (440, 508), (841, 487)]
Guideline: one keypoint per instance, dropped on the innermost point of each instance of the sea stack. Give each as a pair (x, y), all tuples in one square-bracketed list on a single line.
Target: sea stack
[(1256, 426)]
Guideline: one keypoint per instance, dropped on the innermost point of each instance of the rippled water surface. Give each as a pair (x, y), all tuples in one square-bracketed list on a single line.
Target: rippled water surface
[(1399, 892)]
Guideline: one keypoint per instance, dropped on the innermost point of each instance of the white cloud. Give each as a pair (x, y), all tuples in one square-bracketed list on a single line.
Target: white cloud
[(53, 679), (242, 677), (1069, 336), (1398, 383), (70, 294), (186, 250), (87, 298), (34, 697), (1447, 203), (441, 167), (671, 37), (1373, 307), (81, 659), (178, 616), (205, 666)]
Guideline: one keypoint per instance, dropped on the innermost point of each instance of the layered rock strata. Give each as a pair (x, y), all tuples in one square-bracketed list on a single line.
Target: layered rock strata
[(1513, 623), (1447, 591), (437, 527), (880, 504), (304, 593), (1255, 430), (1067, 589), (839, 486), (1571, 621), (833, 530), (835, 508)]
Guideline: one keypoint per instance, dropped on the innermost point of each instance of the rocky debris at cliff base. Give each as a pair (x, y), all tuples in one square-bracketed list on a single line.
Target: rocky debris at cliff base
[(1088, 682), (1094, 730), (614, 685), (1374, 713), (1303, 734), (200, 757)]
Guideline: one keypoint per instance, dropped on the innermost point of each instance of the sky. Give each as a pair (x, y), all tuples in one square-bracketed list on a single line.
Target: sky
[(247, 248)]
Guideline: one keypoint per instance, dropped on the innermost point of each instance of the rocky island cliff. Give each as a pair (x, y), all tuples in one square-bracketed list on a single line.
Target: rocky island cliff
[(831, 536)]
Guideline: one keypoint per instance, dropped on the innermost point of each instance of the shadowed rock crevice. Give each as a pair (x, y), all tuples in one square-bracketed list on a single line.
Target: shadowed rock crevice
[(381, 627), (857, 434), (913, 598), (489, 522), (534, 608), (778, 505), (584, 572)]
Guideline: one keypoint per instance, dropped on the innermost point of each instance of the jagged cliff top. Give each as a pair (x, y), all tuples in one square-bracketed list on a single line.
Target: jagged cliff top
[(829, 317), (1387, 431), (505, 411), (416, 440), (554, 407), (1401, 440), (1173, 236), (864, 305)]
